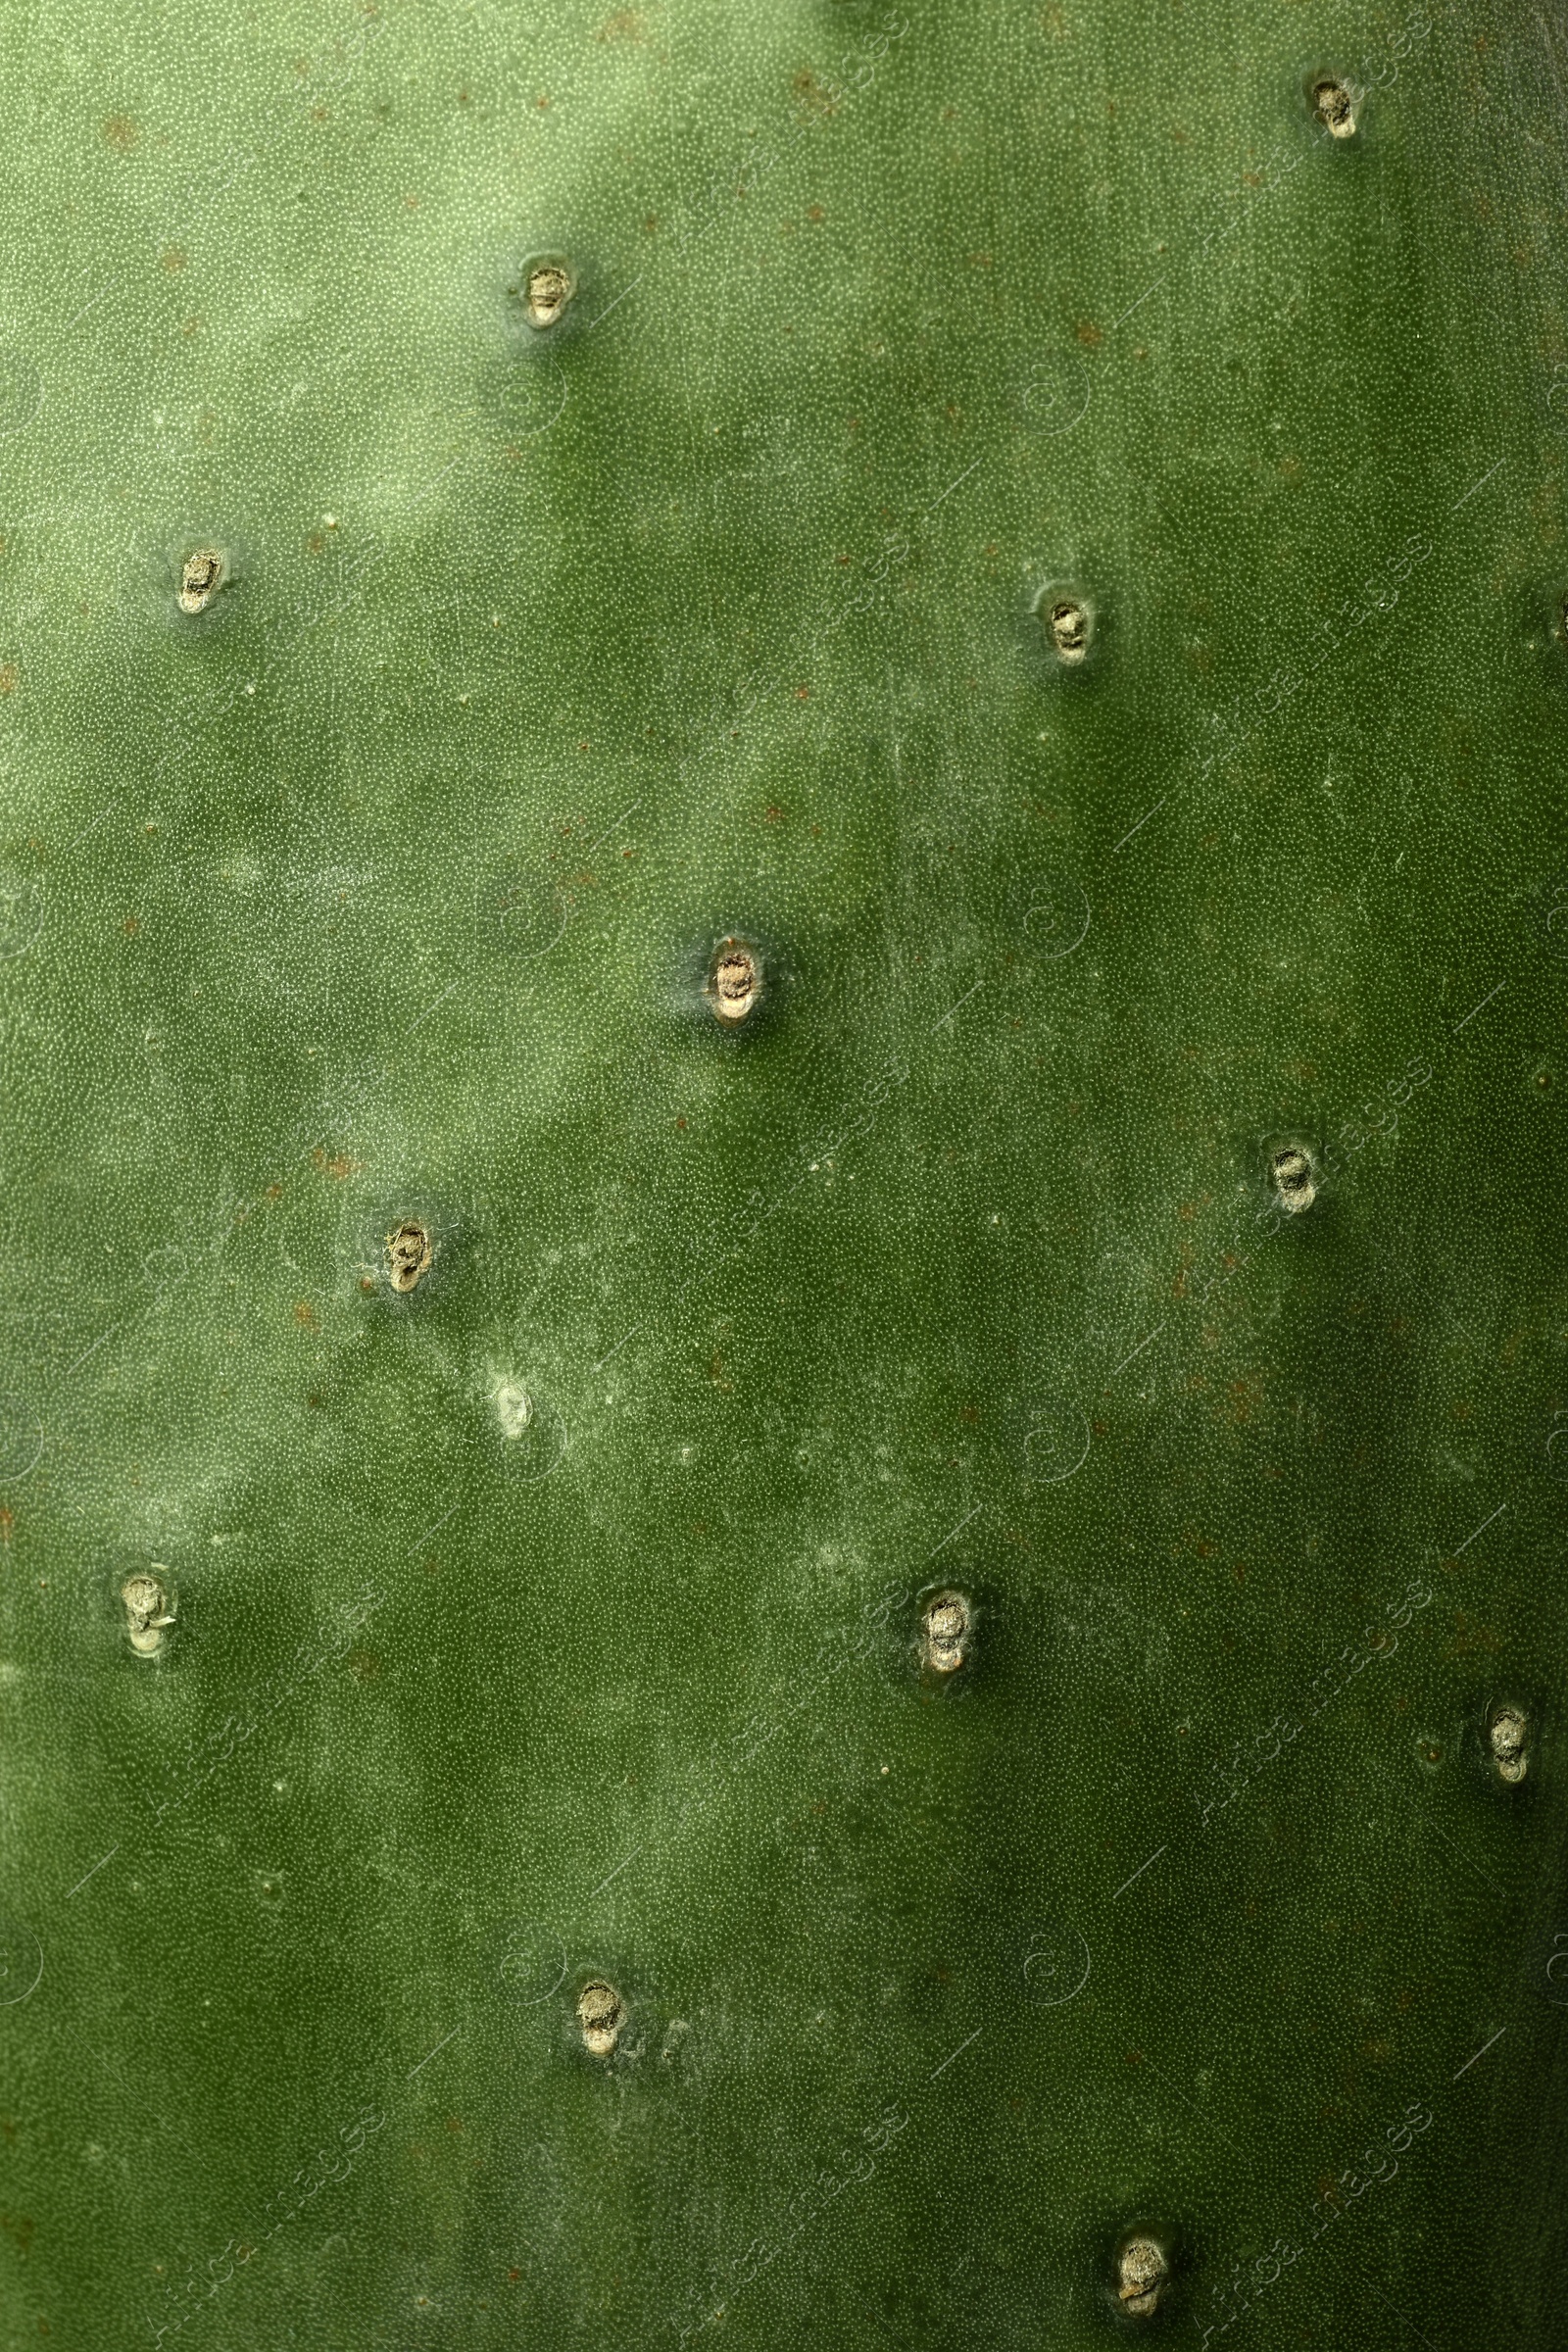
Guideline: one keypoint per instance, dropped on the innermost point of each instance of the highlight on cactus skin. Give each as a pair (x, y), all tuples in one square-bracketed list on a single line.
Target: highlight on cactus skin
[(783, 993), (514, 1408)]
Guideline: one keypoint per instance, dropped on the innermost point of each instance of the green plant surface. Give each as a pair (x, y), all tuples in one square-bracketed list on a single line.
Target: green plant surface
[(391, 1666)]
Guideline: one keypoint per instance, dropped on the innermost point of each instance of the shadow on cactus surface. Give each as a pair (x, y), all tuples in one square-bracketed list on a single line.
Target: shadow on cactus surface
[(783, 936)]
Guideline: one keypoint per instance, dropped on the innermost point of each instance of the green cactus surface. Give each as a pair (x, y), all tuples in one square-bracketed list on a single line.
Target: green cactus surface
[(783, 1431)]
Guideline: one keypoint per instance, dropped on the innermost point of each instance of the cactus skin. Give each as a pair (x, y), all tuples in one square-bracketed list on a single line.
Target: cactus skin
[(547, 1634)]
